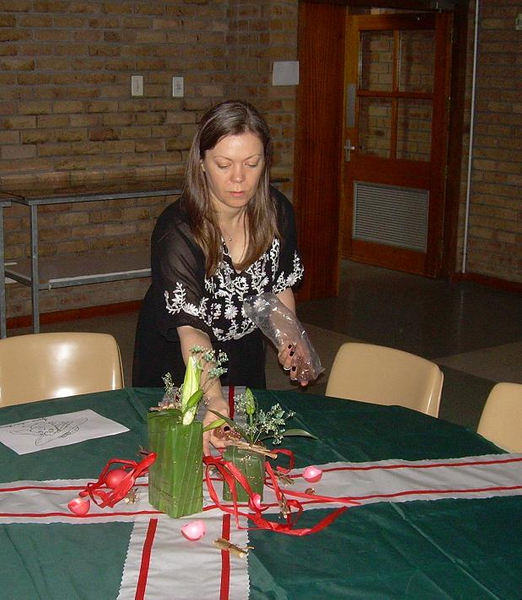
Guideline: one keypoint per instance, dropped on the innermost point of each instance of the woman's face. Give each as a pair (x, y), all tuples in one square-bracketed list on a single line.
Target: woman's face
[(233, 169)]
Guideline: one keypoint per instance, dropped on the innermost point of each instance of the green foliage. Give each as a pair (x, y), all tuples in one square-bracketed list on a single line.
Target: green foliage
[(262, 425)]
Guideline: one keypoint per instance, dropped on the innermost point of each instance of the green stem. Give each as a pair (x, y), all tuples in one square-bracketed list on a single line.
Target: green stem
[(251, 420)]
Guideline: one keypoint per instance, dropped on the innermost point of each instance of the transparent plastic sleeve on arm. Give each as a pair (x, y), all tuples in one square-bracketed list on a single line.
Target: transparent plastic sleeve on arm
[(283, 328)]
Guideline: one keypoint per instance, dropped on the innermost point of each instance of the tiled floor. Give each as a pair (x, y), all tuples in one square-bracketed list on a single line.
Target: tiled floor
[(473, 332)]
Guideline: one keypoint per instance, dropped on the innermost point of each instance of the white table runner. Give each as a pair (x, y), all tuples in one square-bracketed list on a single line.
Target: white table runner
[(160, 561)]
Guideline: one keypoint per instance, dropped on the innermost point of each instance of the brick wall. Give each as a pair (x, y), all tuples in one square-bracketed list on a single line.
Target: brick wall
[(495, 216), (67, 115), (261, 33), (65, 79)]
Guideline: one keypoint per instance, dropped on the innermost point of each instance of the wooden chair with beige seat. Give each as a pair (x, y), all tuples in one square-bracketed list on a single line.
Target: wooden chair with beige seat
[(501, 419), (382, 375), (54, 365)]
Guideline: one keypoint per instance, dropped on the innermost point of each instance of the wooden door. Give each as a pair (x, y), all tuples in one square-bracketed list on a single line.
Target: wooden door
[(395, 140)]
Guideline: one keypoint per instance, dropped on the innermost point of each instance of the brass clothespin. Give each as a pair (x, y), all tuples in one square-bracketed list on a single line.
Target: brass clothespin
[(132, 496), (223, 544), (284, 509), (283, 478)]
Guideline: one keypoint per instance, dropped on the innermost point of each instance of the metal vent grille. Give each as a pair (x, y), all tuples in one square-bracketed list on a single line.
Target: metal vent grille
[(391, 215)]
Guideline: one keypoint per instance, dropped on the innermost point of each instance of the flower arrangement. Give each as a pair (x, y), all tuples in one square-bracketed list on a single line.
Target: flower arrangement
[(245, 448), (260, 425), (176, 436)]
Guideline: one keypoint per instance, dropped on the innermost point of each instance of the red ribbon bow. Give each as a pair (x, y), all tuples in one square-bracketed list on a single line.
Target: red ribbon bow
[(103, 498)]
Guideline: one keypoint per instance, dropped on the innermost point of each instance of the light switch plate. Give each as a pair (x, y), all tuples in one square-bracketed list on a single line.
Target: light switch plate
[(136, 85), (178, 87)]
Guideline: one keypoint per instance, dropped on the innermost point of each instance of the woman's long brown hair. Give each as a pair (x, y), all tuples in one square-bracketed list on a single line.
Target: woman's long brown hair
[(229, 118)]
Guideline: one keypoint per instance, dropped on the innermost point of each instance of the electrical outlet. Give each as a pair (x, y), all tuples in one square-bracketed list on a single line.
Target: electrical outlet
[(136, 85), (177, 87)]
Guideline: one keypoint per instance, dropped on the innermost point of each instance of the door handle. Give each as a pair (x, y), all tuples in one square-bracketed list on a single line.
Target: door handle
[(348, 149)]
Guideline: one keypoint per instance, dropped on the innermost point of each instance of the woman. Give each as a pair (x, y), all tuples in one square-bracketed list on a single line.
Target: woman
[(228, 237)]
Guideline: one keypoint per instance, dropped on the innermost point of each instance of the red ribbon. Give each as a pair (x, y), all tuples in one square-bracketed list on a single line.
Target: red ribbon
[(232, 476), (134, 469)]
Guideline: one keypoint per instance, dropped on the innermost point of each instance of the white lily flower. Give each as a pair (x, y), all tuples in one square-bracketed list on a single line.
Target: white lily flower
[(191, 385)]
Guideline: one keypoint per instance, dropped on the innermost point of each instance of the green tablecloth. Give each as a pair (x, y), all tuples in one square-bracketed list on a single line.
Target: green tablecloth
[(421, 549)]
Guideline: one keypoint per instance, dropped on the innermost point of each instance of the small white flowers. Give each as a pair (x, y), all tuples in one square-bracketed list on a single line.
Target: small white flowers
[(172, 397), (261, 424), (204, 356)]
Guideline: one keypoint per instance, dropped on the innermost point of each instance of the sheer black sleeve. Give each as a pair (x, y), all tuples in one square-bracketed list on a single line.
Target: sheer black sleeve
[(290, 269), (178, 275)]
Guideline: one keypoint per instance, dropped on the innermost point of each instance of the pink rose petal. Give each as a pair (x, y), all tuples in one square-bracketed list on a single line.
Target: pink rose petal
[(194, 530), (79, 506), (312, 474)]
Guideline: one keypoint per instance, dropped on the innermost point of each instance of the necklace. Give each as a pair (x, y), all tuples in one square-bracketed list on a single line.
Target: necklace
[(225, 236)]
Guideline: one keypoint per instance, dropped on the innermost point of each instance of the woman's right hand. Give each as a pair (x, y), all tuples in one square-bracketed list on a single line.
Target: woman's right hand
[(220, 405)]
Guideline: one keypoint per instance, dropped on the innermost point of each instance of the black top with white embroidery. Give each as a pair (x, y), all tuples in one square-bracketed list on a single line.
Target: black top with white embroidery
[(215, 304)]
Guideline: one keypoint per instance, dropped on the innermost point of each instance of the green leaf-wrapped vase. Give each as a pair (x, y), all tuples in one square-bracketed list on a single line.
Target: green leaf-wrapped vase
[(176, 476), (252, 465)]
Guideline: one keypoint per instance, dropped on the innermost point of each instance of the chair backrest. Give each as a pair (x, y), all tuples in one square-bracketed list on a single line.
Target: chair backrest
[(54, 365), (382, 375), (501, 419)]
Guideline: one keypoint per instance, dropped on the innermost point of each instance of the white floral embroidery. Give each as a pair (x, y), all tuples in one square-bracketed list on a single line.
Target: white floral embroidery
[(230, 312), (178, 299), (179, 304), (222, 309), (260, 304), (283, 282)]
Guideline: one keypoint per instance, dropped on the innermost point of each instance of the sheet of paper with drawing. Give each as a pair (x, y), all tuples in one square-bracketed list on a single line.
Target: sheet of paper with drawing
[(33, 435)]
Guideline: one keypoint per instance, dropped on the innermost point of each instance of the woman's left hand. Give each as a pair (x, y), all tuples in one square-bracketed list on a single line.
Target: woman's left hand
[(293, 359)]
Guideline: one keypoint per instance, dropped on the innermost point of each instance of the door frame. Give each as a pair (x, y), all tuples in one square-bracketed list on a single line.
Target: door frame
[(317, 177), (429, 262)]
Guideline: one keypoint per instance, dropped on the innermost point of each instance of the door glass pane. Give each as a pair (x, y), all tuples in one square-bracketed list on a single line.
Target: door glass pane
[(417, 61), (376, 61), (375, 126), (414, 129)]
